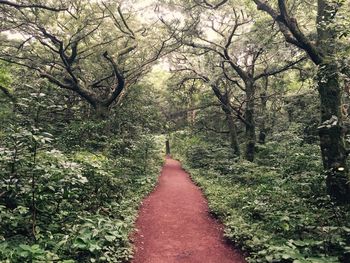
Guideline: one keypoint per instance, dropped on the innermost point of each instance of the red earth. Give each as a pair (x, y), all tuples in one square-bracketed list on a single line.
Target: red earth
[(174, 224)]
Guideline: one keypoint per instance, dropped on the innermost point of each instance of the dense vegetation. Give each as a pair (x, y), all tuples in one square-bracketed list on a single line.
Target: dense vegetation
[(253, 96), (276, 209), (71, 185)]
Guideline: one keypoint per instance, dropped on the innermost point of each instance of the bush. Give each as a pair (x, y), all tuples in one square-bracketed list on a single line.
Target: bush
[(85, 203)]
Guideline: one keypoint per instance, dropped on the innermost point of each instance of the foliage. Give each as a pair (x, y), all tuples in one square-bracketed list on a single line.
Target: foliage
[(94, 49), (82, 110), (71, 184), (276, 209), (85, 203)]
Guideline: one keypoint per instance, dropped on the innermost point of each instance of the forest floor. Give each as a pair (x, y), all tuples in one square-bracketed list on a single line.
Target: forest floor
[(174, 224)]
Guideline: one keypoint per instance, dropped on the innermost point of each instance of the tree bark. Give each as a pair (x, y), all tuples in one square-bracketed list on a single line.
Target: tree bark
[(250, 121)]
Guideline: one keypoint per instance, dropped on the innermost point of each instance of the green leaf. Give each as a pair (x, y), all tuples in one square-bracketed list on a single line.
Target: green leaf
[(79, 243), (24, 254), (94, 246), (110, 238)]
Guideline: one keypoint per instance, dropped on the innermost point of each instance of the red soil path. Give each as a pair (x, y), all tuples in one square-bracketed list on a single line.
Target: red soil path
[(175, 226)]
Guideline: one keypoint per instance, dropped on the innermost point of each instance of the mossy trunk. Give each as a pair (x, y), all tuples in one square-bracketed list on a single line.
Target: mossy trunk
[(250, 121), (331, 133), (331, 130)]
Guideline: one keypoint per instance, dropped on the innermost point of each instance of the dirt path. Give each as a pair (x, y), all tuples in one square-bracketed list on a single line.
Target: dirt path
[(175, 226)]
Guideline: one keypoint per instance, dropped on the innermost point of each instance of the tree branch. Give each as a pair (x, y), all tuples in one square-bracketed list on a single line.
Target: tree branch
[(22, 6), (292, 24), (290, 30), (279, 70), (206, 4), (116, 91)]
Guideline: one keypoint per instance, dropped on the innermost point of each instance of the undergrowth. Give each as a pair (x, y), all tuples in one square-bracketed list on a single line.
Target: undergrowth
[(275, 209), (70, 207)]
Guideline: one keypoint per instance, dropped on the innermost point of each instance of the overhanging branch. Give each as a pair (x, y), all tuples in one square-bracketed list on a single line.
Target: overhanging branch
[(22, 6)]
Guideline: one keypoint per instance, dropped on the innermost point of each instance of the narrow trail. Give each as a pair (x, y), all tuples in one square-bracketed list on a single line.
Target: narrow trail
[(175, 226)]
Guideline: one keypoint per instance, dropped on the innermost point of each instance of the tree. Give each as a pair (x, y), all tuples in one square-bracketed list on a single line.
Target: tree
[(230, 35), (96, 50), (322, 53), (194, 72)]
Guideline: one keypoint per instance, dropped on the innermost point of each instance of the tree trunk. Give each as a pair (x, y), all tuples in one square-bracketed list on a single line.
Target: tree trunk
[(191, 115), (101, 111), (332, 135), (250, 121), (232, 133), (263, 129), (167, 147), (331, 131), (225, 105), (234, 144)]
